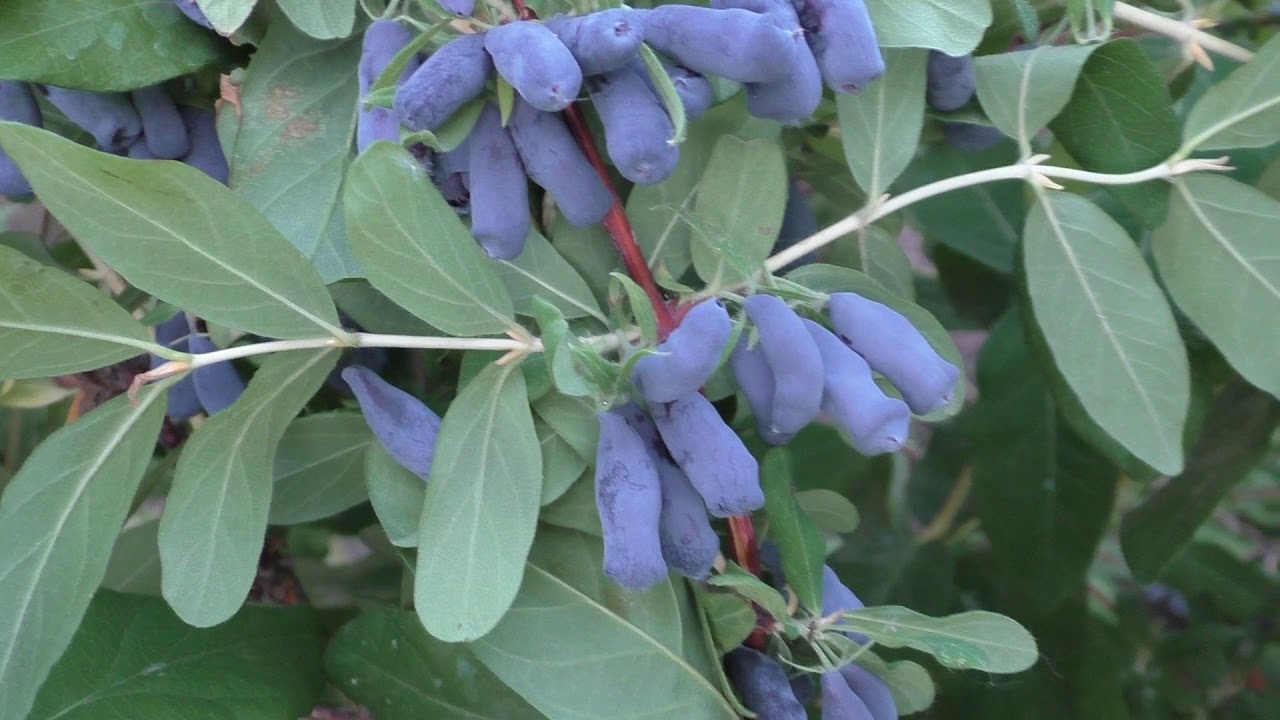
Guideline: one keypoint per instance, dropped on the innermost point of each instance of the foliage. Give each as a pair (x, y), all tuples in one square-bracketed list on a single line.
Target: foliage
[(1084, 526)]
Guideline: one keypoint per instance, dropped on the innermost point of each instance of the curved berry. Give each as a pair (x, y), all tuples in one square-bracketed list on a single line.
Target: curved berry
[(461, 8), (763, 685), (402, 423), (971, 137), (183, 403), (109, 117), (206, 149), (688, 357), (751, 370), (893, 347), (839, 701), (629, 499), (735, 44), (17, 104), (500, 219), (555, 161), (952, 82), (794, 359), (711, 454), (798, 222), (382, 41), (601, 41), (875, 422), (838, 598), (843, 42), (163, 131), (637, 129), (535, 62), (453, 76), (871, 690), (218, 386)]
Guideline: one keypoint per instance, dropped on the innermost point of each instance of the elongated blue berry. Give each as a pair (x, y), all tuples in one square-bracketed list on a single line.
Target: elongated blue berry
[(17, 104), (193, 12), (402, 423), (453, 76), (163, 131), (971, 137), (711, 454), (871, 690), (461, 8), (951, 81), (535, 62), (893, 347), (838, 598), (875, 422), (751, 370), (629, 499), (109, 117), (218, 386), (734, 44), (600, 41), (206, 149), (762, 684), (839, 702), (688, 357), (452, 174), (500, 219), (798, 223), (382, 40), (695, 91), (794, 359), (555, 161), (183, 403), (637, 129), (796, 96), (843, 42)]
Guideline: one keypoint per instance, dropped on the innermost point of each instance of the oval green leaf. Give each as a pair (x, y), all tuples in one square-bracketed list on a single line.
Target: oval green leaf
[(974, 640), (880, 126), (319, 467)]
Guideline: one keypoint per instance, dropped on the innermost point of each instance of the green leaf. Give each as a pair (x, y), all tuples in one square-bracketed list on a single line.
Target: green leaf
[(397, 496), (1022, 91), (1043, 497), (321, 20), (481, 507), (134, 566), (216, 515), (974, 640), (666, 90), (1242, 111), (574, 419), (542, 272), (384, 660), (561, 464), (58, 518), (752, 588), (576, 507), (952, 26), (739, 209), (227, 15), (880, 126), (294, 142), (909, 683), (374, 312), (133, 658), (53, 324), (575, 645), (559, 345), (105, 45), (829, 510), (1216, 257), (1108, 327), (414, 248), (1120, 119), (800, 542), (642, 311), (876, 253), (176, 233), (828, 278), (319, 467), (1236, 433), (730, 617)]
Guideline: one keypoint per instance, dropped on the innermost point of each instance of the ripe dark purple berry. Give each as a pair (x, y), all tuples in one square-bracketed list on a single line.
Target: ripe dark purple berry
[(711, 454), (382, 41), (500, 219), (688, 357), (535, 62), (952, 82), (839, 701), (217, 386), (735, 44), (843, 41), (637, 130), (450, 78), (600, 41), (109, 117), (875, 422), (555, 161), (206, 149), (762, 684), (17, 104), (163, 131), (794, 360), (402, 423), (629, 499)]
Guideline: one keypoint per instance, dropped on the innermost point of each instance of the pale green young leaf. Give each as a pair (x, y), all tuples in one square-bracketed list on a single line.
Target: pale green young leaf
[(952, 26), (176, 233), (481, 507), (414, 248), (974, 640), (1086, 279), (396, 494), (321, 20), (58, 519), (1022, 91), (1242, 111), (1216, 255), (319, 467), (385, 660), (132, 658), (739, 208), (227, 16), (542, 272), (53, 324), (104, 45), (294, 142), (608, 641), (216, 516), (880, 126)]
